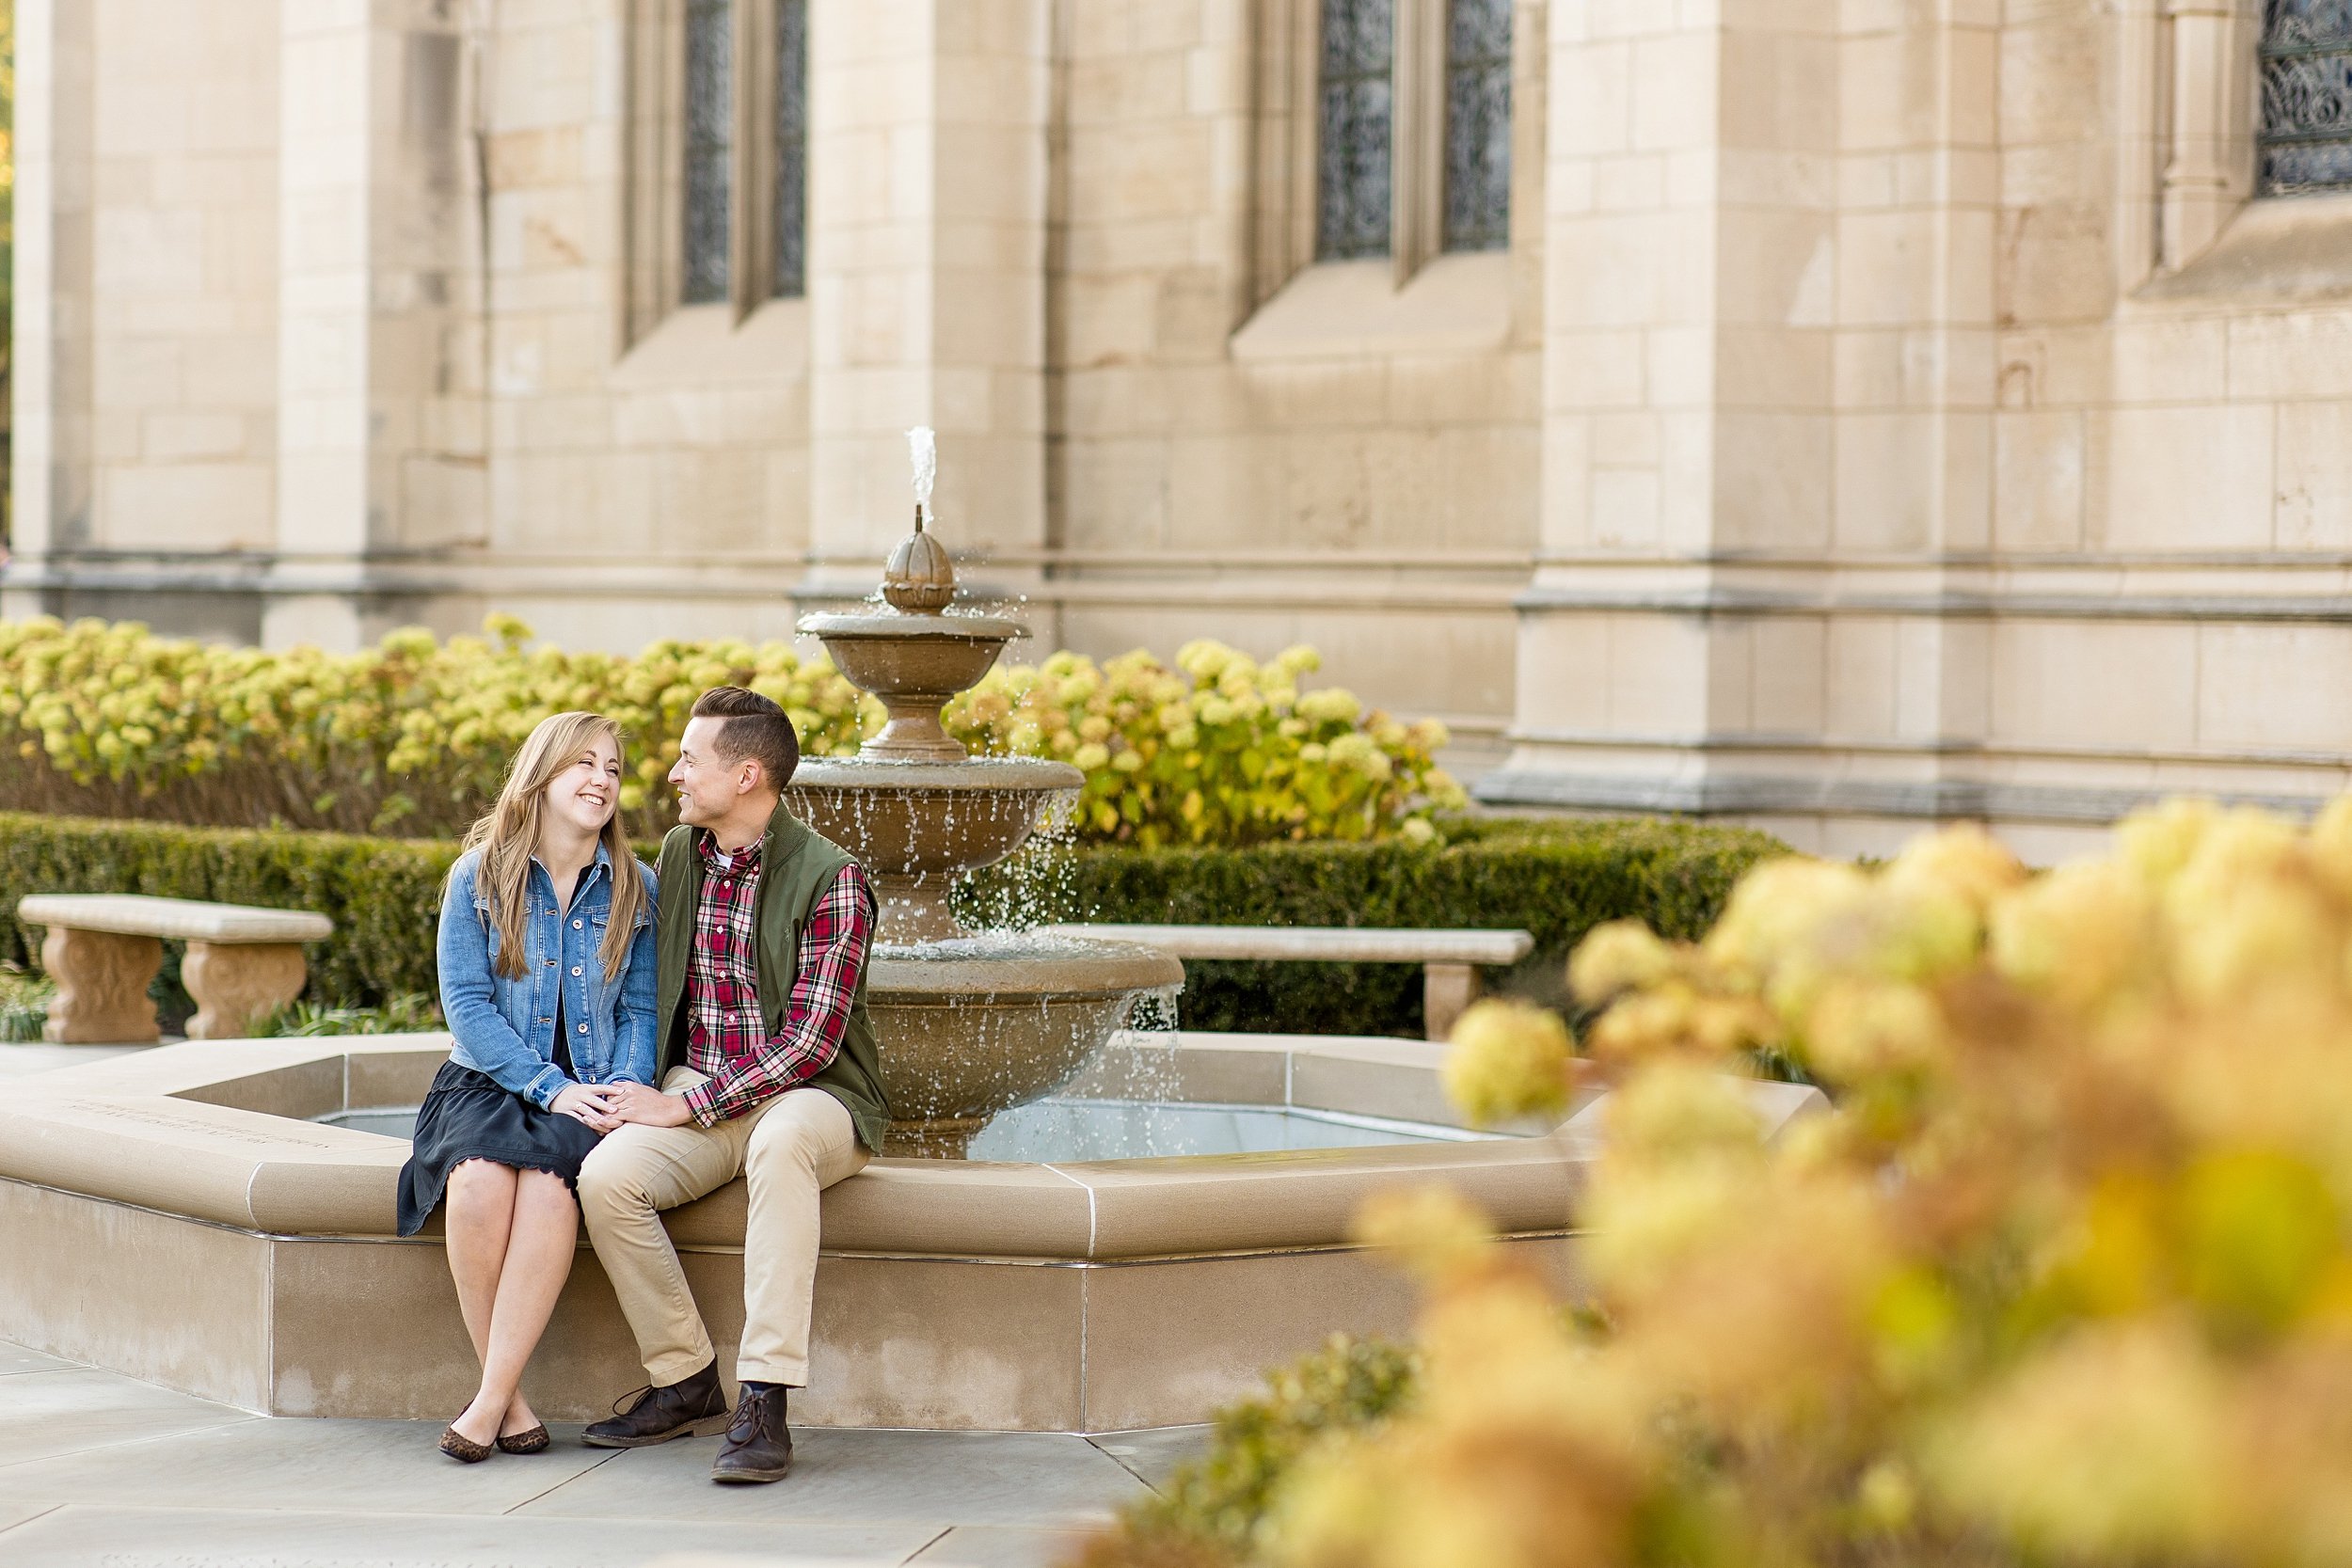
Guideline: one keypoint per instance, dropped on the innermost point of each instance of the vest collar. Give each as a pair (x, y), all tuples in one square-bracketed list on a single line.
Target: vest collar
[(783, 838)]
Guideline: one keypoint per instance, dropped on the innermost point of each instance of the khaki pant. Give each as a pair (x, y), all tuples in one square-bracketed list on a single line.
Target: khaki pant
[(787, 1149)]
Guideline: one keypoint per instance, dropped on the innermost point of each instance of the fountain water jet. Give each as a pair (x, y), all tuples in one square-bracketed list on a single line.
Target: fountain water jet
[(969, 1023)]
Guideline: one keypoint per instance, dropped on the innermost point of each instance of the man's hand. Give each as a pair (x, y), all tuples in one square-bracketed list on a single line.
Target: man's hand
[(594, 1104), (636, 1102)]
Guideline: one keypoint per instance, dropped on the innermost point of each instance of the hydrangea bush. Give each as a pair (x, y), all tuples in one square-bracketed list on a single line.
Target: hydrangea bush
[(2064, 1276), (413, 735)]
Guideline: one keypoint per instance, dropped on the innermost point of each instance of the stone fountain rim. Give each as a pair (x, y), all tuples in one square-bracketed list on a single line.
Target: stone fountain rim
[(916, 777), (1022, 979), (898, 626)]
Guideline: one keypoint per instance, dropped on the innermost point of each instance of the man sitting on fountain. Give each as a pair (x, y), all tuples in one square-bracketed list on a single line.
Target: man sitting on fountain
[(768, 1070)]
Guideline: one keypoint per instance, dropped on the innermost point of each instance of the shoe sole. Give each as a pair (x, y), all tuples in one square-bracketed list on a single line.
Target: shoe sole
[(739, 1478), (710, 1426)]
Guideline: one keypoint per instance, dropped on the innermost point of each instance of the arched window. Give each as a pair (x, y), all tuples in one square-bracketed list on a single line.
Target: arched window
[(790, 263), (718, 144), (1356, 141), (709, 190), (1478, 125), (1412, 131), (2306, 139)]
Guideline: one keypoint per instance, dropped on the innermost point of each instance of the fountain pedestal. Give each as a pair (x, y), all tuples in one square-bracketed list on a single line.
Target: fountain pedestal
[(969, 1023)]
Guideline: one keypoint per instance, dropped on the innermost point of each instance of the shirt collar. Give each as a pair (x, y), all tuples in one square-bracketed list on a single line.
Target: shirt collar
[(745, 859)]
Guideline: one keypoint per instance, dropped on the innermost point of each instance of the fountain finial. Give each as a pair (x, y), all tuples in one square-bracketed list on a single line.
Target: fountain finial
[(919, 578)]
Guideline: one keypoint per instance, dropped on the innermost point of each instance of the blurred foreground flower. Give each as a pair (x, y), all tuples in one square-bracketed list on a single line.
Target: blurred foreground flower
[(2064, 1276)]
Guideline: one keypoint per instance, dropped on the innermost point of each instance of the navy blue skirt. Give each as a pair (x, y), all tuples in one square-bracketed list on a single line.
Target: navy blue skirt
[(466, 1116)]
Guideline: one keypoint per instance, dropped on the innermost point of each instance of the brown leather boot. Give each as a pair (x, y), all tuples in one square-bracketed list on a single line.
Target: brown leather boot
[(695, 1408), (759, 1445)]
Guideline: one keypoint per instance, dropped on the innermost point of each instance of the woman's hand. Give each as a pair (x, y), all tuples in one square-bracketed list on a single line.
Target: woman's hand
[(636, 1102), (595, 1106)]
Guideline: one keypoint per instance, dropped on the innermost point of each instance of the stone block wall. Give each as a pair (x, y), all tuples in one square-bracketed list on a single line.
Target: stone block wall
[(1883, 412)]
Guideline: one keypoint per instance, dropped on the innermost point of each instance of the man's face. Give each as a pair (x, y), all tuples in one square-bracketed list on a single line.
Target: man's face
[(707, 787)]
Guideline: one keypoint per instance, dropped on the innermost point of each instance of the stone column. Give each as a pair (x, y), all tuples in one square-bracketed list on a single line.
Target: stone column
[(1769, 385), (380, 421), (50, 470), (928, 190), (1689, 238)]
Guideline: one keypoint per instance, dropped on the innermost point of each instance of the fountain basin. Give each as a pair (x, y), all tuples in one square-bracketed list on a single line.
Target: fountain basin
[(172, 1214), (914, 663), (971, 1027), (916, 825)]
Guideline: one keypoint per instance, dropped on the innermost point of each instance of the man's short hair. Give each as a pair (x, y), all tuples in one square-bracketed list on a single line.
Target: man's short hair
[(751, 726)]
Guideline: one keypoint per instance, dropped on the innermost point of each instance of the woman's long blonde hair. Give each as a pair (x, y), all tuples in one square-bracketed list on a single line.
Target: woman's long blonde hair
[(508, 834)]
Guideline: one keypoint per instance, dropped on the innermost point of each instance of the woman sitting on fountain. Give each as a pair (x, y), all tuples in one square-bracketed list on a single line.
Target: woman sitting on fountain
[(547, 960)]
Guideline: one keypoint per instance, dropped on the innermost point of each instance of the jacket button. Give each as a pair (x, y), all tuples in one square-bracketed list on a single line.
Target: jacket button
[(574, 967), (583, 1028), (574, 925)]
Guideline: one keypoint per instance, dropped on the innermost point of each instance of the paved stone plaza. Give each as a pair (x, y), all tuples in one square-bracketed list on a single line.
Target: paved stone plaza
[(98, 1469)]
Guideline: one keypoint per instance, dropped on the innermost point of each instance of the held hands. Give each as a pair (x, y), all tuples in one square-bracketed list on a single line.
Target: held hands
[(637, 1103), (596, 1106)]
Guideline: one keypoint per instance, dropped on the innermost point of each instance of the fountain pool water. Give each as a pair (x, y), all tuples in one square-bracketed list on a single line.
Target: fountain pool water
[(1063, 1129)]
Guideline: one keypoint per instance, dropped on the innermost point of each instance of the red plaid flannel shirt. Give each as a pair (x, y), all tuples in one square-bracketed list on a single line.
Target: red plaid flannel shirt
[(727, 1036)]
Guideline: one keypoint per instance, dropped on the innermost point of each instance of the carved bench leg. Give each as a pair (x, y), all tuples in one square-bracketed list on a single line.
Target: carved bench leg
[(101, 986), (1446, 991), (237, 985)]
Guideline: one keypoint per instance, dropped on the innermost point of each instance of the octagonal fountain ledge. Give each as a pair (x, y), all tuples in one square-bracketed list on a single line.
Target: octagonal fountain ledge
[(196, 1216)]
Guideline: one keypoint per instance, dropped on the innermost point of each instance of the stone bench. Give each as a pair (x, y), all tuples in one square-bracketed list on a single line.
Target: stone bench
[(104, 949), (1450, 959)]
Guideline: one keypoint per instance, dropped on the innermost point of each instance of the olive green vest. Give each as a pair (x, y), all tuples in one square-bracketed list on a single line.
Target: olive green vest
[(795, 867)]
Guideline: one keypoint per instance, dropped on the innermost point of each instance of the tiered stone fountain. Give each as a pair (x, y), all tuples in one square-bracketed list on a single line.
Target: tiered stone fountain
[(970, 1023)]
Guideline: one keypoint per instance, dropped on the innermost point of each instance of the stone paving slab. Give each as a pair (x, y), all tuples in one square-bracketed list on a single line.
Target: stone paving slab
[(16, 1358), (15, 1514), (48, 1414), (98, 1467), (998, 1546), (940, 1479), (118, 1537), (262, 1462), (1154, 1453)]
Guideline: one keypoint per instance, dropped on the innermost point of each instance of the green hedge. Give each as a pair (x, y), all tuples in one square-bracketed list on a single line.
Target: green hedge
[(1556, 878), (383, 894)]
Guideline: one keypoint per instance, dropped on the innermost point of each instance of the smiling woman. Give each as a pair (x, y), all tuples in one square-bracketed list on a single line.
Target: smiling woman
[(547, 966)]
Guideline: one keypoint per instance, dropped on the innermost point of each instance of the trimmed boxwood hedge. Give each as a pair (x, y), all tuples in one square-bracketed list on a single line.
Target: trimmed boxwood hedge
[(383, 894), (1555, 877)]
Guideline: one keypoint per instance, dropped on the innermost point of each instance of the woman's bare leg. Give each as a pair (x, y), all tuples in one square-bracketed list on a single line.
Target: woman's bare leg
[(539, 1248), (478, 1220)]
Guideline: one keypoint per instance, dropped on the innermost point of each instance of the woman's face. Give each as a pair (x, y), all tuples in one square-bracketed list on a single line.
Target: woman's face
[(586, 791)]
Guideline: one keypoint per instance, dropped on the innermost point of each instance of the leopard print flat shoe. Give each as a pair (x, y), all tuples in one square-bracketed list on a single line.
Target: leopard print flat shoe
[(529, 1440), (462, 1449)]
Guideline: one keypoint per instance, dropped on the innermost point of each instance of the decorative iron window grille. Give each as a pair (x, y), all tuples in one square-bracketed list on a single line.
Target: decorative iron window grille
[(2306, 139), (1478, 125), (1357, 78), (791, 193), (710, 148)]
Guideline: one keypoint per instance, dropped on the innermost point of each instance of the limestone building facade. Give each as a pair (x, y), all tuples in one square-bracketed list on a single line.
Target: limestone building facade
[(1837, 414)]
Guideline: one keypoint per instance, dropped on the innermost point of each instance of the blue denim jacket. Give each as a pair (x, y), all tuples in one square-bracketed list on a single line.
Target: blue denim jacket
[(506, 1028)]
